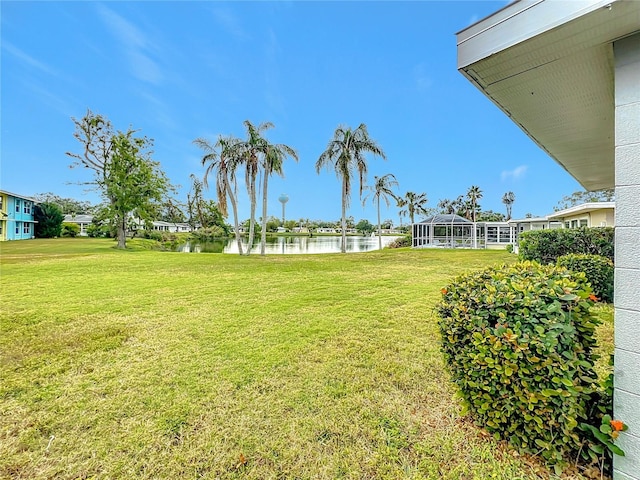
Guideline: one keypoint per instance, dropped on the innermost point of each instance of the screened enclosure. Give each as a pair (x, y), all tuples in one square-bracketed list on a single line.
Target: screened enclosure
[(454, 231)]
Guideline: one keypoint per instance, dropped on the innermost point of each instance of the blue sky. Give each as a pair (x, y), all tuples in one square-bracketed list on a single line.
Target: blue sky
[(181, 70)]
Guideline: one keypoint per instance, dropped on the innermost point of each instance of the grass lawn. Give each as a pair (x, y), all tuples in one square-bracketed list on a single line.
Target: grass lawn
[(144, 364)]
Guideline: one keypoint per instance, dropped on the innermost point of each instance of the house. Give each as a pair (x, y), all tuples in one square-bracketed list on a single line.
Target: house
[(16, 216), (568, 74), (173, 227), (592, 214), (83, 221)]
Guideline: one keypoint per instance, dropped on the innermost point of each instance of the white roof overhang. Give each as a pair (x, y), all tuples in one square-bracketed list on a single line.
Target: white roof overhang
[(583, 208), (548, 64)]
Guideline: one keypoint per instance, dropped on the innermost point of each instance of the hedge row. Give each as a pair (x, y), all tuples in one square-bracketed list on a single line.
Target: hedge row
[(545, 246)]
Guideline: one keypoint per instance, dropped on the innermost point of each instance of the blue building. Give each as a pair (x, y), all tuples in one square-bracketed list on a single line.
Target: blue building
[(16, 217)]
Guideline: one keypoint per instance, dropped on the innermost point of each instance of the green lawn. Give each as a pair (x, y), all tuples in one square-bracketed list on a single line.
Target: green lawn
[(144, 364)]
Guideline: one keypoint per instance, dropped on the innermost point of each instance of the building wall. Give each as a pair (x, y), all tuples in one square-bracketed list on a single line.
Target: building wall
[(19, 224), (3, 216), (627, 281), (597, 218)]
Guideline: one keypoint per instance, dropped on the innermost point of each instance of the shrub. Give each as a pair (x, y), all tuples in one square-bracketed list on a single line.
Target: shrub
[(404, 241), (518, 341), (545, 246), (96, 231), (153, 235), (599, 272), (70, 229), (209, 234)]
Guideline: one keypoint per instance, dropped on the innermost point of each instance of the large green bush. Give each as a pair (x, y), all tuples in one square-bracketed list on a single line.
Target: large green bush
[(599, 271), (70, 229), (518, 341), (545, 246)]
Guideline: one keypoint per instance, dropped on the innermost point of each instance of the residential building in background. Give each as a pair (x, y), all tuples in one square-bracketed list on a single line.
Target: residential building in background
[(592, 214), (83, 221), (16, 216)]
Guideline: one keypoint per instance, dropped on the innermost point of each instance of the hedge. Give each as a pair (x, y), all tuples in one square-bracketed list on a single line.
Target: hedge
[(545, 246), (518, 340)]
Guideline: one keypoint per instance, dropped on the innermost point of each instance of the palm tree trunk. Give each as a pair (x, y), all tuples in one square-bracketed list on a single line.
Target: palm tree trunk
[(236, 226), (379, 228), (263, 234), (343, 247), (252, 220)]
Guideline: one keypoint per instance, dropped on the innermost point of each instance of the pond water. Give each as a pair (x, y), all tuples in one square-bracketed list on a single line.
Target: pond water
[(290, 245)]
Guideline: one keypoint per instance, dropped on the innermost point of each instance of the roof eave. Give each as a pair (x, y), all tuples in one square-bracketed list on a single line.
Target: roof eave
[(549, 67)]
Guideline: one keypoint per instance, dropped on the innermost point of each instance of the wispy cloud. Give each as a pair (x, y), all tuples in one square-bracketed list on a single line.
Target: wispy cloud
[(55, 102), (136, 45), (28, 59), (230, 23), (422, 80), (515, 174), (273, 96), (161, 111)]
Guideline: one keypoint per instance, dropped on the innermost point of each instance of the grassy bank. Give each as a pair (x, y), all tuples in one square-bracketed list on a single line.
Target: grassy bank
[(143, 364)]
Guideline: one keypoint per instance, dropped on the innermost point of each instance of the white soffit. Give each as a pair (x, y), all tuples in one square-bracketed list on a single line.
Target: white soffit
[(548, 64)]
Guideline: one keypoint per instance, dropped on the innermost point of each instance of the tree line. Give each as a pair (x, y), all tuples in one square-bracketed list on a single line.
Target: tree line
[(133, 186)]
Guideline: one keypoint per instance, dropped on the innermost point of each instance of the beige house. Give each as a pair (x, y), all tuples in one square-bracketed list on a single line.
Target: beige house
[(83, 221), (592, 214), (568, 74)]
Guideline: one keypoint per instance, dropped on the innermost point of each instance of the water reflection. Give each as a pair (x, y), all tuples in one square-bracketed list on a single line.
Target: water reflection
[(290, 245)]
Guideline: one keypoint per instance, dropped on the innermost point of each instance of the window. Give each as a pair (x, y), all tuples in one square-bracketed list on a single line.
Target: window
[(583, 222), (26, 229), (505, 234), (1, 202), (17, 206), (567, 225), (492, 234), (27, 208), (17, 229)]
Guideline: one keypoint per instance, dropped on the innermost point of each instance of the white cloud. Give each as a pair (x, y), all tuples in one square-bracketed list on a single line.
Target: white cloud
[(136, 46), (230, 23), (28, 59), (516, 174)]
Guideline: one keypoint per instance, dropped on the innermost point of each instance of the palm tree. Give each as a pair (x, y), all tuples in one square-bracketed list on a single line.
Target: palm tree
[(382, 189), (253, 148), (446, 206), (508, 199), (272, 160), (473, 195), (415, 204), (224, 165), (345, 153)]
